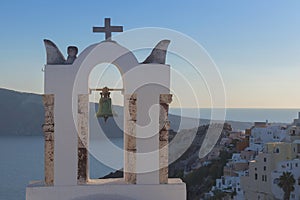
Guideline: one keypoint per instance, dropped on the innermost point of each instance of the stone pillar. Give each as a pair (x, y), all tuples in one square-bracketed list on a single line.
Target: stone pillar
[(164, 126), (130, 139), (83, 138), (48, 128)]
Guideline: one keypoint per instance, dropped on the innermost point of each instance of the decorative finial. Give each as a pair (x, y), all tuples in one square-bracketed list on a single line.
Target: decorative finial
[(158, 54), (55, 57)]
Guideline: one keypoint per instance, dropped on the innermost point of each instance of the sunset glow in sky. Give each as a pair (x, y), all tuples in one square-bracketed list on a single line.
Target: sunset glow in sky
[(255, 44)]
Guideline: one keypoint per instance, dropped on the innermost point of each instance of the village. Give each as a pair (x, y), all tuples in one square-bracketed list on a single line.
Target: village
[(262, 158)]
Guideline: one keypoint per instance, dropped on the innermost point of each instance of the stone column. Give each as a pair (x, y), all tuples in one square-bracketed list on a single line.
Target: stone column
[(83, 138), (48, 128), (164, 126), (130, 139)]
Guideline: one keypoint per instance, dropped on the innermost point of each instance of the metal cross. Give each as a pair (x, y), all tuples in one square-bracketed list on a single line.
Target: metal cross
[(107, 29)]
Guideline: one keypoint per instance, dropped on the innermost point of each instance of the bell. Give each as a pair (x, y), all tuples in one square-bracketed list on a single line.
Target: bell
[(104, 109)]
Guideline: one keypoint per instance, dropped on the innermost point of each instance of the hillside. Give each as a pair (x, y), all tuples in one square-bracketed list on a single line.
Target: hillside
[(23, 114)]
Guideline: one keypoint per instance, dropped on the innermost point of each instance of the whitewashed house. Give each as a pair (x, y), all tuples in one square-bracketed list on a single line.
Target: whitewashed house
[(263, 132), (292, 166)]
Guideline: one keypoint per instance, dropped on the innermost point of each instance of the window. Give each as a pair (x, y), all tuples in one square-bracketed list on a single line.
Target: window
[(296, 164), (264, 178), (265, 168), (255, 176), (255, 168), (265, 159), (277, 150)]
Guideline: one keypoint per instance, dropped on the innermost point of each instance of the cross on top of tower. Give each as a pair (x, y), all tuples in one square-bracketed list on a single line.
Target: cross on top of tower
[(107, 29)]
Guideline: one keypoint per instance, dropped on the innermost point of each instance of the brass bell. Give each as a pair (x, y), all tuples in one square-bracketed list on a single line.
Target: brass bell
[(104, 109)]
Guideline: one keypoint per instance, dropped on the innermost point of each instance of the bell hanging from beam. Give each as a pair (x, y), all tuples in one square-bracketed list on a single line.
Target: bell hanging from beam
[(104, 109)]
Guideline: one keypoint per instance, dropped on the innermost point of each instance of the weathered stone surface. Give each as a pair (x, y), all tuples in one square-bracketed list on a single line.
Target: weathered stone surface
[(163, 135), (49, 120), (163, 144), (132, 107), (164, 124), (83, 135), (158, 54), (48, 100), (82, 175), (165, 98), (130, 140), (167, 125), (83, 132), (130, 128), (130, 162), (49, 162), (130, 143), (49, 115), (83, 100), (163, 153), (163, 175), (49, 136), (83, 138), (163, 162), (48, 128), (163, 114)]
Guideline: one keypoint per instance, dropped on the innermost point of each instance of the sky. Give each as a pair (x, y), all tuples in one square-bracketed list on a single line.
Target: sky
[(255, 44)]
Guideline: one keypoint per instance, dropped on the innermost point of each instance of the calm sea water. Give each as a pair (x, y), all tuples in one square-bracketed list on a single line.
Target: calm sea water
[(242, 114), (22, 160)]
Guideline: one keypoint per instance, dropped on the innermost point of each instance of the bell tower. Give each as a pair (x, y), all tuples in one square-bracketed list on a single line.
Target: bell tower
[(146, 102)]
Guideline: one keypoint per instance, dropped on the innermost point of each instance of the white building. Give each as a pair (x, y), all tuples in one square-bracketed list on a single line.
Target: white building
[(263, 132), (229, 184), (292, 166), (232, 183), (293, 130), (258, 183)]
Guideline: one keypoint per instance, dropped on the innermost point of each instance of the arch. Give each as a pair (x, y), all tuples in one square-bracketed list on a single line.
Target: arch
[(103, 52)]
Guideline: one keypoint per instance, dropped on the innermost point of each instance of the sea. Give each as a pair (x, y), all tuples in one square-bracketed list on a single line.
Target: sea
[(241, 114), (22, 161), (22, 158)]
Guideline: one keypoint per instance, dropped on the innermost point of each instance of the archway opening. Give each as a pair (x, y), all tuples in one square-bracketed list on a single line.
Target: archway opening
[(105, 135)]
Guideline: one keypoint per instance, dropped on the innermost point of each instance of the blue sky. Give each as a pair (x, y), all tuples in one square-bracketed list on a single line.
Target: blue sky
[(255, 44)]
